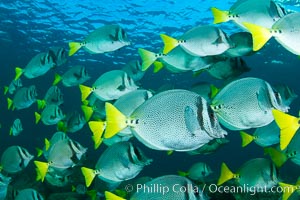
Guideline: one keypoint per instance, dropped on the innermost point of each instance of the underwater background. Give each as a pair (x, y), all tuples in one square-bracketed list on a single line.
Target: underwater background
[(32, 26)]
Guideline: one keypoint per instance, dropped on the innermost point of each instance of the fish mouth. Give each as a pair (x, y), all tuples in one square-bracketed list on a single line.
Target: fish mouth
[(138, 157)]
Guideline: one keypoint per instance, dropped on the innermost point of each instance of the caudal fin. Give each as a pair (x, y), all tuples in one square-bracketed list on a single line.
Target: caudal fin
[(147, 57), (278, 157), (219, 15), (19, 72), (226, 174), (87, 111), (288, 190), (57, 79), (42, 168), (111, 196), (74, 47), (89, 175), (246, 138), (97, 128), (169, 43), (85, 91)]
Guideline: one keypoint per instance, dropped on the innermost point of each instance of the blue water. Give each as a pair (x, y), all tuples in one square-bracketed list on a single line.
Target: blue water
[(29, 27)]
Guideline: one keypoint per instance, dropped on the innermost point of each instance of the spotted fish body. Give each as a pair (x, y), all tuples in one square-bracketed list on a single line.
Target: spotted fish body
[(175, 120), (246, 103)]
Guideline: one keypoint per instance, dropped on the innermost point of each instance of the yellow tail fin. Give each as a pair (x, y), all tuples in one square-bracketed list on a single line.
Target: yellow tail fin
[(213, 90), (278, 157), (147, 57), (41, 104), (42, 168), (288, 126), (9, 103), (157, 66), (97, 128), (288, 190), (87, 111), (226, 174), (10, 131), (37, 117), (246, 138), (74, 47), (57, 79), (169, 42), (115, 120), (260, 35), (39, 152), (182, 173), (89, 175), (92, 194), (5, 90), (62, 126), (19, 72), (111, 196), (85, 91), (219, 15)]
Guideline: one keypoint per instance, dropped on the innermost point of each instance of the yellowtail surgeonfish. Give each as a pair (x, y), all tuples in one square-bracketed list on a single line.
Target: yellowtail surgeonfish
[(53, 96), (176, 61), (291, 191), (28, 194), (197, 172), (247, 103), (104, 39), (109, 86), (37, 66), (284, 31), (134, 70), (60, 55), (4, 182), (62, 155), (13, 86), (76, 75), (73, 122), (242, 45), (16, 128), (256, 173), (51, 115), (177, 120), (263, 13), (171, 187), (200, 41), (23, 98), (119, 162), (14, 159)]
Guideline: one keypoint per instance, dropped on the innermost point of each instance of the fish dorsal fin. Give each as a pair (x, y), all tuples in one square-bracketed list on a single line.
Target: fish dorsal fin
[(246, 138), (115, 120), (288, 125), (226, 174), (111, 196), (220, 16), (288, 190)]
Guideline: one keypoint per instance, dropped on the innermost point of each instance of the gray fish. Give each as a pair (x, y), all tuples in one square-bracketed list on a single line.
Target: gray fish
[(60, 55), (23, 98), (28, 194), (76, 75), (119, 162), (199, 41), (197, 172), (246, 103), (134, 70), (104, 39), (53, 96), (37, 66), (4, 182), (110, 86), (51, 115), (242, 45), (14, 159), (227, 68), (74, 122), (287, 94), (178, 120), (13, 86), (16, 128)]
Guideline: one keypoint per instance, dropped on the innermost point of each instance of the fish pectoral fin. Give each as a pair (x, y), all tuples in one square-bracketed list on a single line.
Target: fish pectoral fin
[(191, 121)]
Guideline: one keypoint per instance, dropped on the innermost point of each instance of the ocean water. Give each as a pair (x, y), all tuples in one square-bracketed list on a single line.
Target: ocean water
[(32, 26)]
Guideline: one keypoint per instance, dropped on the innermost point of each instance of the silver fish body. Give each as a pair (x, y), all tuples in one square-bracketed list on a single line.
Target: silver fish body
[(52, 114), (16, 128), (54, 96), (25, 97), (76, 75), (29, 194)]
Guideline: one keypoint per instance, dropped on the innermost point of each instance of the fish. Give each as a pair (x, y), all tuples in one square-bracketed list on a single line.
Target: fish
[(168, 187), (60, 55), (119, 162), (210, 147), (53, 96), (28, 194), (14, 159), (242, 45), (109, 86), (227, 68), (256, 173), (283, 31), (173, 120), (288, 126), (199, 41), (76, 75), (104, 39), (246, 103), (264, 136), (51, 115), (289, 190), (13, 86), (23, 98), (58, 178), (287, 94), (4, 182), (263, 13), (73, 122), (134, 70), (197, 172), (39, 65), (176, 61), (16, 128), (62, 155)]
